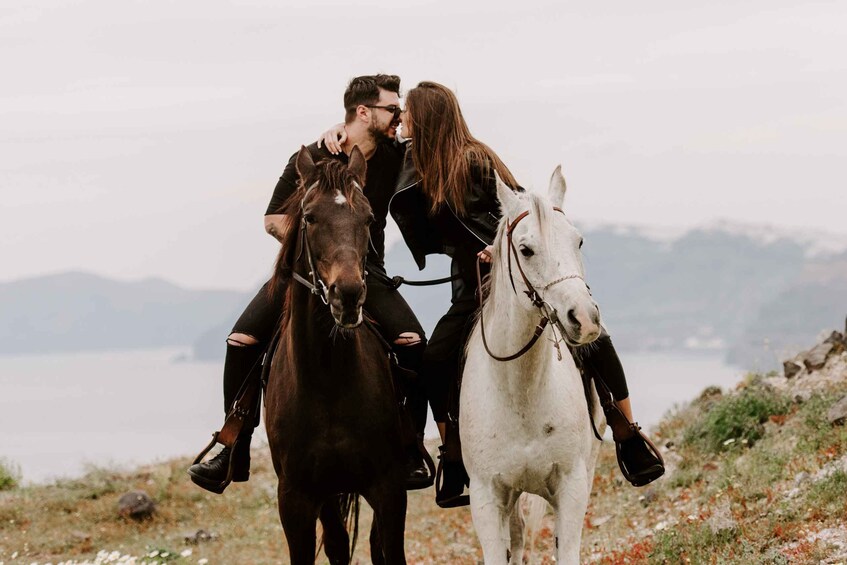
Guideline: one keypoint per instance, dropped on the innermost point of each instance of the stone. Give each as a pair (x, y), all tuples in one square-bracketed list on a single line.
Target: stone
[(201, 535), (836, 338), (790, 368), (815, 358), (136, 504), (837, 413)]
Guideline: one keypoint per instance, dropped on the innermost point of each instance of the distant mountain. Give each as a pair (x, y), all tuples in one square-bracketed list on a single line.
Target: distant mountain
[(753, 294), (79, 311)]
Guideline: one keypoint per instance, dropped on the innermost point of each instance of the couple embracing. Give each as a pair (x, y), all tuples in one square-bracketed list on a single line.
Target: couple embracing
[(439, 184)]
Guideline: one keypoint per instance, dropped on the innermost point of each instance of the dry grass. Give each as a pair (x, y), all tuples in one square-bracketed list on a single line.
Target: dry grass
[(780, 498)]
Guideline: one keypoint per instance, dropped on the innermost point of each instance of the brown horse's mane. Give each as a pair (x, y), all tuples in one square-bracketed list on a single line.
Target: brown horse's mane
[(330, 175)]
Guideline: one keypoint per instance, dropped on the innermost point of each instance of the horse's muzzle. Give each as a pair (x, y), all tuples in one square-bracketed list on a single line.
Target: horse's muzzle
[(345, 303), (582, 325)]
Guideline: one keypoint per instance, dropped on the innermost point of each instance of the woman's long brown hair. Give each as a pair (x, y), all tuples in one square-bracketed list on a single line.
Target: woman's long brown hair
[(443, 149)]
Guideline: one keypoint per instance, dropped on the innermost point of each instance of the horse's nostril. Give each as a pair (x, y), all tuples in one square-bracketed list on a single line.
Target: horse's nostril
[(572, 318)]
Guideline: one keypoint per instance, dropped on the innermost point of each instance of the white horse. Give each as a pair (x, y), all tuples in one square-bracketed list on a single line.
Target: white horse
[(524, 423)]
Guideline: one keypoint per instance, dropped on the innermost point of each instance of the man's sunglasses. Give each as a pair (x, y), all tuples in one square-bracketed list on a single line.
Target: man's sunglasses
[(394, 109)]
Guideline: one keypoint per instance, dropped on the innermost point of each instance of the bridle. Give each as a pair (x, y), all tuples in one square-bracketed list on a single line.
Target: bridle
[(316, 285), (549, 315)]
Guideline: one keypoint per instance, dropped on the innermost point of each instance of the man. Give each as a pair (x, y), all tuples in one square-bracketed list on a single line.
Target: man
[(372, 115)]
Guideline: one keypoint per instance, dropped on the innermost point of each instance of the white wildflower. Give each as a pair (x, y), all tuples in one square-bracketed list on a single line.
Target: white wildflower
[(729, 441), (202, 561), (154, 553), (185, 553)]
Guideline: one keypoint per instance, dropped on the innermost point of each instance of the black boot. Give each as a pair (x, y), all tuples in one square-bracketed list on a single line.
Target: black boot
[(409, 357), (214, 474), (639, 460), (241, 363), (451, 478), (417, 471)]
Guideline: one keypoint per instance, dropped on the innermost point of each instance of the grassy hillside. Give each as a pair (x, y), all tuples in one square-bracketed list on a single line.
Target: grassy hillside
[(755, 475)]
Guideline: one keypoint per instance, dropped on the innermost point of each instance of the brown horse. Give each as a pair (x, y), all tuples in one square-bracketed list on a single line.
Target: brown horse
[(332, 419)]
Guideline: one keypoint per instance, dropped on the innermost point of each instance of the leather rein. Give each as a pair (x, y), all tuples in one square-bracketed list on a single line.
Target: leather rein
[(547, 312)]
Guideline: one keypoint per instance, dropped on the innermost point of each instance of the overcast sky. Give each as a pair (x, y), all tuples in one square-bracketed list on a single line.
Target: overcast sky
[(145, 138)]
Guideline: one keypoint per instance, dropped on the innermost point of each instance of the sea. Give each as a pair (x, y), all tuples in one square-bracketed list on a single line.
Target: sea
[(64, 414)]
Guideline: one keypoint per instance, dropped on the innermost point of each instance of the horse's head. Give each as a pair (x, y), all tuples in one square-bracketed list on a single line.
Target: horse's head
[(545, 256), (334, 219)]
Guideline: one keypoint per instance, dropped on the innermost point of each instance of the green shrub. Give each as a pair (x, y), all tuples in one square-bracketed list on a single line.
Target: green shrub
[(696, 543), (10, 475), (829, 495), (739, 417)]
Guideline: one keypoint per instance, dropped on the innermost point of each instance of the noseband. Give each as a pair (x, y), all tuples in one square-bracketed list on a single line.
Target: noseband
[(549, 315), (317, 285)]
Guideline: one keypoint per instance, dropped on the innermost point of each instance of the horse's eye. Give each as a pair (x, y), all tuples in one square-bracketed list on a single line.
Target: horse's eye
[(309, 218), (526, 251), (370, 220), (581, 241)]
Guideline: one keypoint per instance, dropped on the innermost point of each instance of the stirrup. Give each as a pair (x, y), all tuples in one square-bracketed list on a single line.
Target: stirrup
[(453, 501), (430, 470), (651, 473), (213, 486)]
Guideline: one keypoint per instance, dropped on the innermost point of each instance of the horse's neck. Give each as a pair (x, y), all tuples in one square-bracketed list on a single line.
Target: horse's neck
[(310, 332)]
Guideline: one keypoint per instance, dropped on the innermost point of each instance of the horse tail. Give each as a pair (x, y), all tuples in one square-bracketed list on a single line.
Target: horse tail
[(535, 509), (348, 504), (347, 511)]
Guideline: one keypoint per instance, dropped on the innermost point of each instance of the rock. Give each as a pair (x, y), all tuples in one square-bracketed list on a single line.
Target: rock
[(801, 478), (802, 396), (597, 522), (194, 538), (836, 338), (815, 358), (136, 504), (648, 497), (837, 414), (790, 368), (80, 535)]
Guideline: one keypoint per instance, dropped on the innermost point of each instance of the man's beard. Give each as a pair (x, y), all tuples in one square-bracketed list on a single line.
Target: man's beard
[(378, 135)]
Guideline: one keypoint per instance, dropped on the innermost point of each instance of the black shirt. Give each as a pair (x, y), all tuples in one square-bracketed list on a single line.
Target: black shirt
[(381, 177)]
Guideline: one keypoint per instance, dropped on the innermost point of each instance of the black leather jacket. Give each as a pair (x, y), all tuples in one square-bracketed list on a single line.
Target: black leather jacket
[(409, 208)]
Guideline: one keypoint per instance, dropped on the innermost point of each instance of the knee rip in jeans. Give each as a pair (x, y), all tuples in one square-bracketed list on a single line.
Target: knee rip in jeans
[(241, 340), (408, 339)]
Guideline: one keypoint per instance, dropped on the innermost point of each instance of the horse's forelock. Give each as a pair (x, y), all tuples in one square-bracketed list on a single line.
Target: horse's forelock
[(334, 175)]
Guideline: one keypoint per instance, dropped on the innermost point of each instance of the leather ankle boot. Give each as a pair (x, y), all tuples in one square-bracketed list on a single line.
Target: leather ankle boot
[(639, 460), (212, 475)]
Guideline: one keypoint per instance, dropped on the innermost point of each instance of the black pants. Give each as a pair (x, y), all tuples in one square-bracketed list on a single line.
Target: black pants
[(262, 317)]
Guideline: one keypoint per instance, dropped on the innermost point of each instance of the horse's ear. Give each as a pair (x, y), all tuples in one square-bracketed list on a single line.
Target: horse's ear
[(510, 204), (358, 167), (305, 164), (557, 189)]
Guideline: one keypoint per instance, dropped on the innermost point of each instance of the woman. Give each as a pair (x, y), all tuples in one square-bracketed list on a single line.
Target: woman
[(446, 203)]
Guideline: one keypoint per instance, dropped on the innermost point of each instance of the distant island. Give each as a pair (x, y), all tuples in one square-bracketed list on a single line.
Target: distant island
[(754, 295)]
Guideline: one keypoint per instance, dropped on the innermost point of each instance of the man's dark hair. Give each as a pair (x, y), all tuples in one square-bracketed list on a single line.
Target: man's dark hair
[(365, 90)]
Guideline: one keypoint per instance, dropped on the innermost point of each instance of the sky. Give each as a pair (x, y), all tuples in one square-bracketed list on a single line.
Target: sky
[(144, 139)]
